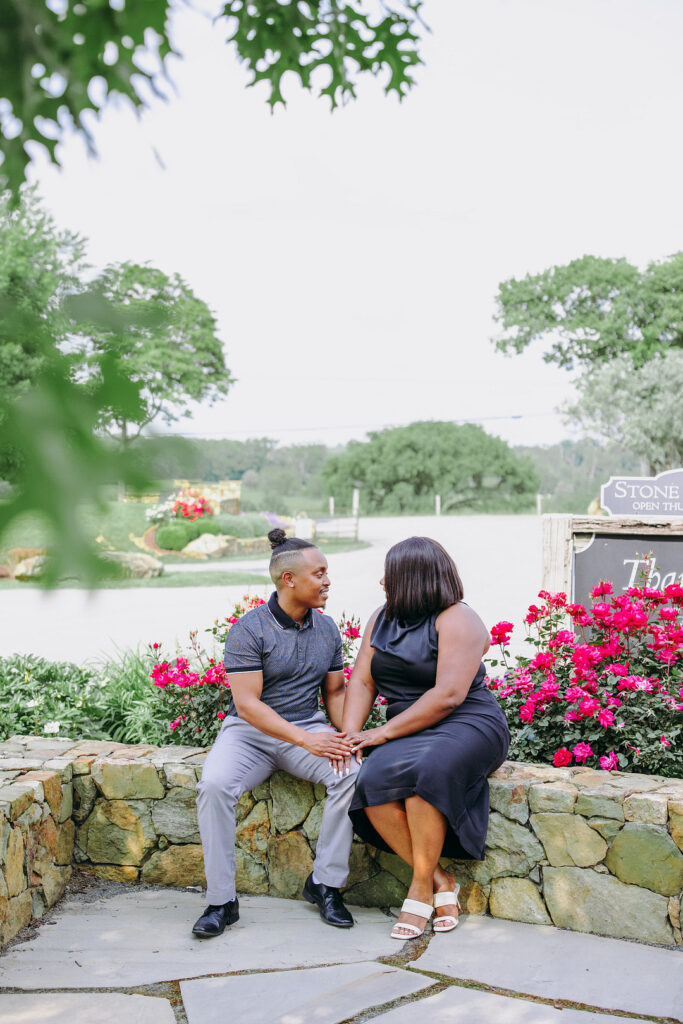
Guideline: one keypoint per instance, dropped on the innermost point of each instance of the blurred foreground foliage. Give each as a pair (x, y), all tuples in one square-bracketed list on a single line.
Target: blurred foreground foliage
[(49, 448), (61, 61)]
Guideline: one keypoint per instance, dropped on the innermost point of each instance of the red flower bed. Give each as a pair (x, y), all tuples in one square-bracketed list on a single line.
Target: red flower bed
[(608, 692)]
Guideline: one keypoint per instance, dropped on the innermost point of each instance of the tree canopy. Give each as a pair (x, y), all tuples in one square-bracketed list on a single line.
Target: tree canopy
[(401, 469), (593, 309), (165, 341), (61, 60), (77, 356), (640, 408)]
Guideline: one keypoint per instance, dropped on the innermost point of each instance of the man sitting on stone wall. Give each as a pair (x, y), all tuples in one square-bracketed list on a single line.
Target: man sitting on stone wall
[(279, 657)]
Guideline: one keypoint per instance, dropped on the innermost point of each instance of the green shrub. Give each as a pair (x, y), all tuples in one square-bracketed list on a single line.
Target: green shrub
[(116, 701), (250, 525), (39, 697), (174, 536)]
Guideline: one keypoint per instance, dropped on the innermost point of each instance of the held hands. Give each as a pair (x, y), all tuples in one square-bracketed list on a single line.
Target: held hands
[(369, 738), (333, 745)]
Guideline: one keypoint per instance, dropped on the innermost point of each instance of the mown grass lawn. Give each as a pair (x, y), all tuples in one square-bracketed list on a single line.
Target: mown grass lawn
[(171, 579)]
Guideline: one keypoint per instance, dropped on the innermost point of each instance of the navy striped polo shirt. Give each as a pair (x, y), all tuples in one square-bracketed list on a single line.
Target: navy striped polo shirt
[(293, 657)]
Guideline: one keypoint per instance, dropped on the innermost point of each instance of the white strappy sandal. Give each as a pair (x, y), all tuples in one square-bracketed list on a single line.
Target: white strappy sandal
[(412, 907), (447, 922)]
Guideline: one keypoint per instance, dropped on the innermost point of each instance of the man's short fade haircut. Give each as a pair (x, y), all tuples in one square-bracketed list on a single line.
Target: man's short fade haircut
[(286, 554)]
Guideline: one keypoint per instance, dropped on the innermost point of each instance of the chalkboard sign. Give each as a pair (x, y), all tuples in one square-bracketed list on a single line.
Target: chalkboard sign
[(621, 559), (660, 495)]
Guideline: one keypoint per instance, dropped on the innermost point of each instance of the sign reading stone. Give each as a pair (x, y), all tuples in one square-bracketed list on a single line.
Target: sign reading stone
[(660, 495), (627, 561)]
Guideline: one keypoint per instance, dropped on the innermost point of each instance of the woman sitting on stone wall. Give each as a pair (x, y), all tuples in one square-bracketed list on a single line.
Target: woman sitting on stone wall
[(423, 791)]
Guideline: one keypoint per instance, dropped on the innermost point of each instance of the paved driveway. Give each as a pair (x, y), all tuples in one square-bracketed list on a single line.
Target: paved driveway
[(499, 558)]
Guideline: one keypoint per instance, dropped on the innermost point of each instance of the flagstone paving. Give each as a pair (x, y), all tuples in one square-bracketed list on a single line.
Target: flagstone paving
[(324, 995), (552, 963), (84, 1008), (126, 954)]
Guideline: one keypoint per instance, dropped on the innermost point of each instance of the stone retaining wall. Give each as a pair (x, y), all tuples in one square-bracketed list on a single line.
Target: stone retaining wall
[(580, 849)]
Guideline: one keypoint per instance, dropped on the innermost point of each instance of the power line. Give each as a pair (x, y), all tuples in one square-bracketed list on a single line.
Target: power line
[(318, 428)]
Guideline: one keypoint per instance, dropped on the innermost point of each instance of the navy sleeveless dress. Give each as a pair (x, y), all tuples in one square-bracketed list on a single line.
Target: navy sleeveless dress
[(447, 764)]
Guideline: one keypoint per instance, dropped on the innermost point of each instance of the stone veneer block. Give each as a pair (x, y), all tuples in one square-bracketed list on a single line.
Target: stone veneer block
[(67, 806), (84, 794), (676, 825), (253, 831), (119, 832), (586, 901), (13, 869), (119, 779), (607, 827), (177, 865), (176, 816), (382, 890), (112, 872), (552, 796), (51, 784), (646, 855), (18, 915), (517, 899), (292, 801), (250, 874), (62, 765), (651, 808), (289, 864), (82, 765), (14, 799), (604, 802), (509, 796), (180, 775), (567, 839), (511, 849)]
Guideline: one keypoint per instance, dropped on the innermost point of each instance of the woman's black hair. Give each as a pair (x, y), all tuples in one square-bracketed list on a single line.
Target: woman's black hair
[(420, 578), (280, 542)]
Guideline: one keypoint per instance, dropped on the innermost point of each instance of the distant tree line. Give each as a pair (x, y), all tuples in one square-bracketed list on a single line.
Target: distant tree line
[(400, 471)]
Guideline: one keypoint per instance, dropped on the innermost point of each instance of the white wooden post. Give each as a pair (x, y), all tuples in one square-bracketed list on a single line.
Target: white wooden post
[(331, 508), (355, 502), (539, 504), (437, 504)]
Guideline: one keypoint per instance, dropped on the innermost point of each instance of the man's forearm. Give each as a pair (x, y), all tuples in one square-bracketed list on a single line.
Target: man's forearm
[(263, 718), (334, 702)]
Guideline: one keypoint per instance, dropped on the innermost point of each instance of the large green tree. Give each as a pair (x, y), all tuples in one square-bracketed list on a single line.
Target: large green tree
[(165, 339), (401, 469), (639, 407), (61, 61), (593, 309), (39, 266)]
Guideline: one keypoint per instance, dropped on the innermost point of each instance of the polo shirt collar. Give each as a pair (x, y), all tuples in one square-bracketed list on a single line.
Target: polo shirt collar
[(282, 618)]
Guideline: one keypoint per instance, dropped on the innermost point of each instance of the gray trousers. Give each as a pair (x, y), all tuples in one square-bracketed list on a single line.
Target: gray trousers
[(241, 758)]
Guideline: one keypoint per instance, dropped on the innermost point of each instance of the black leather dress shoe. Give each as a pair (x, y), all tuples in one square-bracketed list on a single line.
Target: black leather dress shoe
[(329, 903), (214, 920)]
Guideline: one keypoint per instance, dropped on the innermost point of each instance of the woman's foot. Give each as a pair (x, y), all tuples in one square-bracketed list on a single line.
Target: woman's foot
[(443, 882), (422, 895)]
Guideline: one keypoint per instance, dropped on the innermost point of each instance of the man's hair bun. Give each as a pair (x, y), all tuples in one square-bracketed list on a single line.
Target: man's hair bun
[(276, 538)]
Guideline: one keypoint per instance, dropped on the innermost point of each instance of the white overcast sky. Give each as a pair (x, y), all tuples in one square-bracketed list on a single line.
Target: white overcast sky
[(352, 259)]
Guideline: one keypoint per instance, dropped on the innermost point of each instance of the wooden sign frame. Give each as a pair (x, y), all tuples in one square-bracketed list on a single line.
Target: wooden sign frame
[(563, 535)]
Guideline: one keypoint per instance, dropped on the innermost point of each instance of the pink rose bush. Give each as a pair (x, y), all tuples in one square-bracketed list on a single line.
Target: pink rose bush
[(606, 693), (196, 691)]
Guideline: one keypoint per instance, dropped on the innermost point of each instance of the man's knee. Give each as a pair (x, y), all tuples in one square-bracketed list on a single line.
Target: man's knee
[(345, 783), (217, 789)]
